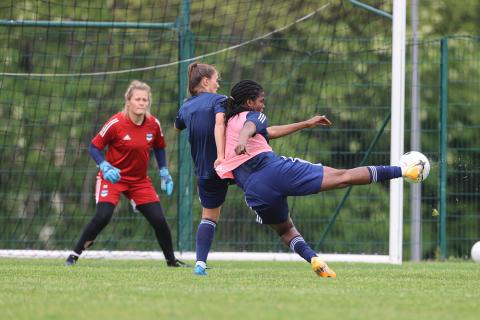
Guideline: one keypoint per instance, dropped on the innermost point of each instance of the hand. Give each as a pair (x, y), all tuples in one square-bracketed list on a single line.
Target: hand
[(318, 121), (110, 173), (218, 162), (166, 182), (241, 149)]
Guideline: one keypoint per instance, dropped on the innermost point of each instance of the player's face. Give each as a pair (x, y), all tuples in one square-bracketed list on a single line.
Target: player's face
[(211, 84), (138, 103), (257, 104)]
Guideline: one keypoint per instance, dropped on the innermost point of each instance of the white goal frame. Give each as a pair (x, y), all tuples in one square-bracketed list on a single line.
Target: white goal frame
[(397, 129), (396, 186)]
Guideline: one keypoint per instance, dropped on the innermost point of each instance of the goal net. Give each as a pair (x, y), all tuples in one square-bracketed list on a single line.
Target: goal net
[(65, 68)]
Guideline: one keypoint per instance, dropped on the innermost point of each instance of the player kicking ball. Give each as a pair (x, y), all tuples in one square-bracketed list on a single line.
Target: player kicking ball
[(268, 179)]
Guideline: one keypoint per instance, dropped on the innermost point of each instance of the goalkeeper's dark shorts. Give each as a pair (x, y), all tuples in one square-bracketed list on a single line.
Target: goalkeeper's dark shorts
[(138, 192)]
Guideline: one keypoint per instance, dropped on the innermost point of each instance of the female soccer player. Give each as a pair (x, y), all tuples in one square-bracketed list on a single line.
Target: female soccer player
[(267, 179), (203, 116), (129, 136)]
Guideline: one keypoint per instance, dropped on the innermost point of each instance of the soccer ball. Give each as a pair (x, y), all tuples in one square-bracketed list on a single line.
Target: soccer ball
[(476, 252), (412, 158)]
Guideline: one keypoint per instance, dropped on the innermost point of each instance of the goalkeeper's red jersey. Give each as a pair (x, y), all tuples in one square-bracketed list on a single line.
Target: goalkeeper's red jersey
[(129, 144)]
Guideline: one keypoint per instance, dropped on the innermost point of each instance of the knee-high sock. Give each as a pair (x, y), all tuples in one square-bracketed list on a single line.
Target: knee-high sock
[(95, 226), (154, 214), (205, 234), (298, 245), (382, 173)]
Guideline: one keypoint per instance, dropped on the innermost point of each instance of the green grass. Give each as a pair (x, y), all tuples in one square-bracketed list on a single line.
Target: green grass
[(102, 289)]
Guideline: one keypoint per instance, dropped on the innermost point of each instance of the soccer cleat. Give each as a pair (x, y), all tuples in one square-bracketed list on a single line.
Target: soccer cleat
[(414, 172), (71, 260), (321, 268), (200, 271), (177, 263)]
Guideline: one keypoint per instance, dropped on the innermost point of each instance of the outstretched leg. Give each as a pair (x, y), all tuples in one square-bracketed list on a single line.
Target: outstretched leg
[(102, 217), (341, 178), (154, 214), (292, 238)]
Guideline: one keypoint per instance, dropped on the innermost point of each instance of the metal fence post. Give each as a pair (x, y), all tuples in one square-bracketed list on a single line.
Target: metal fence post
[(185, 169), (443, 144)]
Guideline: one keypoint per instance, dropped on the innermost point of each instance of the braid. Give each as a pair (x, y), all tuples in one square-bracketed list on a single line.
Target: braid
[(240, 93)]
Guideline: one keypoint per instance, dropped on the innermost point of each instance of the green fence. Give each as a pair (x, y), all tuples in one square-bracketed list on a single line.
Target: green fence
[(452, 136), (322, 65)]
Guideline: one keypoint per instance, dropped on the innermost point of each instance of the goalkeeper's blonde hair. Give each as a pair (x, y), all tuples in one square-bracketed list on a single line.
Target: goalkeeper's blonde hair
[(137, 85)]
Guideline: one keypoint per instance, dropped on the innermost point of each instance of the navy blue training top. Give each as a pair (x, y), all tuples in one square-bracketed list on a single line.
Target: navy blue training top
[(260, 121), (197, 115)]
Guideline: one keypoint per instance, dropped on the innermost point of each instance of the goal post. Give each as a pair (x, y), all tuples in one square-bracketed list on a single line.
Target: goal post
[(397, 125)]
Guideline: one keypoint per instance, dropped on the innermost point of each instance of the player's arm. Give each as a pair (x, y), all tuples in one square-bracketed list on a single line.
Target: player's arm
[(106, 135), (248, 130), (159, 144), (275, 132), (161, 157), (96, 154), (219, 132), (166, 181), (110, 173), (179, 124)]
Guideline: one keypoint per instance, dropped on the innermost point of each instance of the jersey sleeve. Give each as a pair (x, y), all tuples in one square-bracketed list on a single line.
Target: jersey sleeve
[(106, 135), (218, 104), (179, 121), (259, 119), (159, 141)]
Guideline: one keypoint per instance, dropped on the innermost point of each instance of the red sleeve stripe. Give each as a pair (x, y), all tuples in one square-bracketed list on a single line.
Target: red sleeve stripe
[(107, 126)]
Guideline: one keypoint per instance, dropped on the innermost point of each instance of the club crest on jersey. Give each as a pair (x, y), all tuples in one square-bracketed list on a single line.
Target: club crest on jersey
[(149, 137), (104, 193)]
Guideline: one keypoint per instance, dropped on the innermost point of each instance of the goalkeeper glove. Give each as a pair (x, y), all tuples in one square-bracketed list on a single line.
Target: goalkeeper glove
[(110, 173), (166, 182)]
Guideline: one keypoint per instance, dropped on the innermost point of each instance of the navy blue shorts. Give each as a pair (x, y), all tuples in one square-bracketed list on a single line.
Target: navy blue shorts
[(267, 189), (212, 191)]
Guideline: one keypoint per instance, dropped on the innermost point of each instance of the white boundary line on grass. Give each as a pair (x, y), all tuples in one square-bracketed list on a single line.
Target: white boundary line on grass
[(212, 256)]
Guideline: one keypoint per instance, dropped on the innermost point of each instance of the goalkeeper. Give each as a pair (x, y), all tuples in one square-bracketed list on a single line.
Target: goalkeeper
[(129, 136), (267, 179)]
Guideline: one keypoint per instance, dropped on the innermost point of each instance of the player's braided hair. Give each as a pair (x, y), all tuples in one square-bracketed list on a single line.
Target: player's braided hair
[(240, 93)]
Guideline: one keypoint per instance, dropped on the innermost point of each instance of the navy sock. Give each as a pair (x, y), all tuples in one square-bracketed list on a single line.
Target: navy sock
[(205, 233), (299, 245), (382, 173)]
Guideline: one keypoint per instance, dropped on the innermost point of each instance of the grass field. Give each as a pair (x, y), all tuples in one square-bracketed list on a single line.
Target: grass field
[(102, 289)]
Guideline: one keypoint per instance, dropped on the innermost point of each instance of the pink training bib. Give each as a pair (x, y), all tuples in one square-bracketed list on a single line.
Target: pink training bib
[(255, 145)]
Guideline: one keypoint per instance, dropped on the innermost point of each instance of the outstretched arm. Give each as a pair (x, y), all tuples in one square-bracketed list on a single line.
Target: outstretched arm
[(275, 132), (219, 132), (247, 131)]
